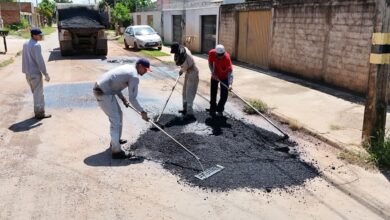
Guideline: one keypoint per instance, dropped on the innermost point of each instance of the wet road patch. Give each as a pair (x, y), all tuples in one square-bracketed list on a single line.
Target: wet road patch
[(75, 95), (250, 155)]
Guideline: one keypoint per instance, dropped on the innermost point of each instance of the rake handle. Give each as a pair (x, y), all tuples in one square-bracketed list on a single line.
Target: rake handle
[(257, 111), (176, 141), (169, 97)]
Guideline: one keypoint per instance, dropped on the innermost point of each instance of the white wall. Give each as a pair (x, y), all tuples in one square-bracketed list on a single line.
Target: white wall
[(194, 25), (168, 24), (144, 19)]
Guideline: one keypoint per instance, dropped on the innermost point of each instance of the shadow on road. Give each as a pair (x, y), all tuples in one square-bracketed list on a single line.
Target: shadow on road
[(25, 125), (104, 159), (217, 123), (55, 55)]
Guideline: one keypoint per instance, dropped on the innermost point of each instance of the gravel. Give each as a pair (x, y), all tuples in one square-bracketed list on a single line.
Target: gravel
[(252, 157)]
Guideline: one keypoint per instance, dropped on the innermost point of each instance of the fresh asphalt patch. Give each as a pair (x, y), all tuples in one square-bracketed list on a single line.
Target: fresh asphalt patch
[(252, 157)]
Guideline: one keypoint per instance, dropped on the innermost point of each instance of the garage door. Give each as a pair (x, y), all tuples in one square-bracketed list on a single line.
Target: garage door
[(254, 37), (209, 31), (177, 30)]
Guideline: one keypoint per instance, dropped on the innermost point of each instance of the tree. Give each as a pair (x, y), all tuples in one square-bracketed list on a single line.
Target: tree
[(120, 14), (63, 1), (46, 9), (132, 5)]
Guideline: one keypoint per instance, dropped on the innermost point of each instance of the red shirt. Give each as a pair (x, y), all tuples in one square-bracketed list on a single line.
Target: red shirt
[(221, 66)]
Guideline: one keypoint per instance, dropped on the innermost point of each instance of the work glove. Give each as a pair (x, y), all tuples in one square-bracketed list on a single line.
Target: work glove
[(47, 78), (230, 88), (145, 116), (214, 76), (126, 103)]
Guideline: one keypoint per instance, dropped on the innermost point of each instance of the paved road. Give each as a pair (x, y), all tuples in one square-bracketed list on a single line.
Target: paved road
[(59, 168)]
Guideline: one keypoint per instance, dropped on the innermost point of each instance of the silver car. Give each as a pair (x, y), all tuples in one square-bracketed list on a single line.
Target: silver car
[(142, 36)]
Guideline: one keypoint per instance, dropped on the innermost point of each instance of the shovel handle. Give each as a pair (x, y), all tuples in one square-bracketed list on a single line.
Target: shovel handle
[(257, 111), (169, 97)]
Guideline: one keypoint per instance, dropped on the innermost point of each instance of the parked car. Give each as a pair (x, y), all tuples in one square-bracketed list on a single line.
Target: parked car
[(142, 36)]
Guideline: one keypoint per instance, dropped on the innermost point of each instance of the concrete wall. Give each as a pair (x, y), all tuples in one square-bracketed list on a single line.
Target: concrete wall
[(144, 19), (167, 24), (194, 25), (328, 41)]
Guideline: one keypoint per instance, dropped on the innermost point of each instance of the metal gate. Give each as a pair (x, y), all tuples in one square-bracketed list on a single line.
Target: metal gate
[(254, 37), (176, 29), (209, 32)]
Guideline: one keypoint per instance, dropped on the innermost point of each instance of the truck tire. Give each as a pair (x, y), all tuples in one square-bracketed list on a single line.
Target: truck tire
[(126, 45), (101, 52)]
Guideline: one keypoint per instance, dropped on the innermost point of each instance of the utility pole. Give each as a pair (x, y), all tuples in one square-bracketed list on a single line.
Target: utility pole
[(374, 123)]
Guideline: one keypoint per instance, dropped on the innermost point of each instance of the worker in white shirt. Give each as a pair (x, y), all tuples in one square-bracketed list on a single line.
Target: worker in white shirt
[(34, 67), (184, 59), (110, 85)]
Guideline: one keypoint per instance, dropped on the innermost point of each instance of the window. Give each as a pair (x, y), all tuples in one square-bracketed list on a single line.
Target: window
[(150, 20)]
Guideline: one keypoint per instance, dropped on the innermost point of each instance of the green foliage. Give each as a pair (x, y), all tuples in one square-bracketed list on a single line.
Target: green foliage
[(131, 5), (63, 1), (257, 104), (120, 14), (46, 9), (23, 24), (6, 62), (380, 152)]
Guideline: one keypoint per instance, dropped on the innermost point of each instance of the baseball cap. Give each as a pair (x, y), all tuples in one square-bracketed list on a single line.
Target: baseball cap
[(36, 31), (145, 63), (220, 49)]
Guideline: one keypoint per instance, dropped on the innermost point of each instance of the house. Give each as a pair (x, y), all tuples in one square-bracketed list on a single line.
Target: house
[(13, 12), (326, 41), (149, 16), (193, 22)]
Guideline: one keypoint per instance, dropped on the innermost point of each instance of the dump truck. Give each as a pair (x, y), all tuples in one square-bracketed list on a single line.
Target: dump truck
[(81, 28)]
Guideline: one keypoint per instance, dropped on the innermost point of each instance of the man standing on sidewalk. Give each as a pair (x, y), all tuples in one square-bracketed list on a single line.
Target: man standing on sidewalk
[(184, 59), (34, 66), (110, 85), (221, 69)]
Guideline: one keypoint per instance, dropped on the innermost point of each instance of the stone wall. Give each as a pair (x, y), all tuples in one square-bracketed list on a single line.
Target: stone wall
[(327, 41)]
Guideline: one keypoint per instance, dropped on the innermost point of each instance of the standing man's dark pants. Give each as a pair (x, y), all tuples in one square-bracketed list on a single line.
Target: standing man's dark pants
[(223, 96)]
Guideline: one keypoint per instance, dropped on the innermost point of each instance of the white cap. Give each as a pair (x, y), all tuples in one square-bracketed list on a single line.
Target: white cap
[(220, 49)]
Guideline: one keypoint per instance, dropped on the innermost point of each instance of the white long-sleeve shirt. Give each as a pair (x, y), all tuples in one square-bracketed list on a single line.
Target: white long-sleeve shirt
[(117, 79), (32, 60)]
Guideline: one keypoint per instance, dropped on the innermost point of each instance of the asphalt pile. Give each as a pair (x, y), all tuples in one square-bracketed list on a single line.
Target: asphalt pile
[(81, 22), (252, 157)]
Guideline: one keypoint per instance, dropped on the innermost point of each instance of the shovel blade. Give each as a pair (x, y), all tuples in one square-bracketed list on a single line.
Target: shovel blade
[(209, 172)]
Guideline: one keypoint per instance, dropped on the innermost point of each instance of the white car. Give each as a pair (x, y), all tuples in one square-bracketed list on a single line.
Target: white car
[(142, 36)]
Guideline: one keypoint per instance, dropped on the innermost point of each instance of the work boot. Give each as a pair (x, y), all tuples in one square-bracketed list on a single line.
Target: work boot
[(42, 116), (220, 114), (189, 117), (122, 155), (183, 111), (122, 141)]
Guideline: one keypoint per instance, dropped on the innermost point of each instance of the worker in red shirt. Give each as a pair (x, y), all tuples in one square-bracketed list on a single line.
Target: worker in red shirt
[(221, 69)]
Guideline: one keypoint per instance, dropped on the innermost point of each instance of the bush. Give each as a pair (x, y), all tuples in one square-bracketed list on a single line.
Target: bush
[(380, 152), (23, 24), (257, 104)]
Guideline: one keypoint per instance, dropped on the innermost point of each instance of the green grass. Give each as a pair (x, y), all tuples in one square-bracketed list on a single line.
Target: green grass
[(358, 158), (121, 39), (6, 62), (26, 33), (380, 153), (257, 104), (154, 53)]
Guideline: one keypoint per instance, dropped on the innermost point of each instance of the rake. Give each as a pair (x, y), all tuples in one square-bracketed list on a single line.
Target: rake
[(257, 111), (202, 175)]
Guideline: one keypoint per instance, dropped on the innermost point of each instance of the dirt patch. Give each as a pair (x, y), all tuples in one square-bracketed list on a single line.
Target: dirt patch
[(251, 156)]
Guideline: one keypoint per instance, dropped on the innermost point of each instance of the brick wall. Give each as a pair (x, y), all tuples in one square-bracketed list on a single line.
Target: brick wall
[(227, 31), (10, 11), (324, 42)]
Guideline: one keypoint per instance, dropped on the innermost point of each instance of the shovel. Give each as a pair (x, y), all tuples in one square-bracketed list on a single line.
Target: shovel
[(257, 111), (166, 103), (202, 175)]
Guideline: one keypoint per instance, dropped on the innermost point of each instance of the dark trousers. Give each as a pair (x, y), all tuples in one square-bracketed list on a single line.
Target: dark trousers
[(223, 96)]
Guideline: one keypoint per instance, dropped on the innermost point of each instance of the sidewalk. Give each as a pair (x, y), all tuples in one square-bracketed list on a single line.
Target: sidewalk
[(334, 119), (14, 46)]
